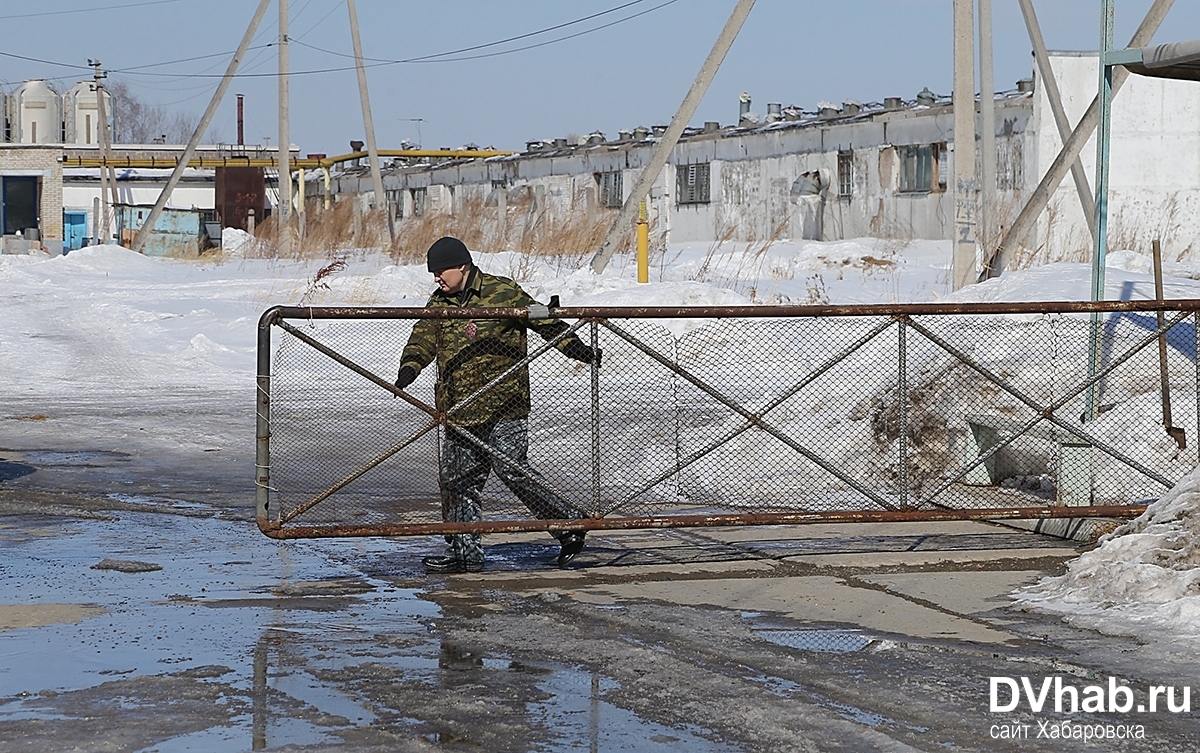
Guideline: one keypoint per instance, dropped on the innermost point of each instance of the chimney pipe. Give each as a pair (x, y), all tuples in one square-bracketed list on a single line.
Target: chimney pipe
[(241, 123)]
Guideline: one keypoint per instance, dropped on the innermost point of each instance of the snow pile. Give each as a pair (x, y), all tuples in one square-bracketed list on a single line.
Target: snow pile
[(1145, 576), (236, 242)]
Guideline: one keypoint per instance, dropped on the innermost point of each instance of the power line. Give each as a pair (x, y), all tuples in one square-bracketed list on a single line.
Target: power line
[(432, 58), (496, 43), (441, 56), (88, 10)]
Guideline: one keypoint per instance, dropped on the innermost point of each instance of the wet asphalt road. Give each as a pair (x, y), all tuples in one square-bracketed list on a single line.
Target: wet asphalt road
[(198, 633)]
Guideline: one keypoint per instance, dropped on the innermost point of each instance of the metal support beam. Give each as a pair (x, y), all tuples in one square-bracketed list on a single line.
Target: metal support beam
[(1050, 85), (1040, 198), (964, 240), (139, 241), (662, 152)]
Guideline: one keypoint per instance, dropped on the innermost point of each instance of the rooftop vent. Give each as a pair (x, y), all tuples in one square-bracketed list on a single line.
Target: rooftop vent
[(641, 133), (596, 137), (774, 112), (560, 143), (658, 130), (711, 126), (926, 97), (533, 146), (852, 107), (828, 109), (892, 103), (624, 134), (1025, 85), (791, 112)]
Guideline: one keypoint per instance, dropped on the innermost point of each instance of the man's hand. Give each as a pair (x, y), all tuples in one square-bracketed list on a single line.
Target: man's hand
[(576, 350), (406, 376)]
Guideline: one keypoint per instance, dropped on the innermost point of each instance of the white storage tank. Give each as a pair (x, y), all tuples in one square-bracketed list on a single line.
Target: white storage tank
[(81, 113), (34, 114)]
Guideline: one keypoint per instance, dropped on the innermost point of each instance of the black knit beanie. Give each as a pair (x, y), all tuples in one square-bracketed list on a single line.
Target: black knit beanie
[(447, 252)]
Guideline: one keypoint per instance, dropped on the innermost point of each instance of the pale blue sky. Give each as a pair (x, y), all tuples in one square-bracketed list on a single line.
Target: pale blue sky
[(634, 72)]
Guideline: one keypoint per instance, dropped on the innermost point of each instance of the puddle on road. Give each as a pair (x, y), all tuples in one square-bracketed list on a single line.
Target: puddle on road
[(264, 621), (576, 710), (827, 641), (76, 457)]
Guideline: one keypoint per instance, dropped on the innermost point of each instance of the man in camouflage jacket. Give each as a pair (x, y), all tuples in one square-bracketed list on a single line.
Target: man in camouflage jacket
[(470, 354)]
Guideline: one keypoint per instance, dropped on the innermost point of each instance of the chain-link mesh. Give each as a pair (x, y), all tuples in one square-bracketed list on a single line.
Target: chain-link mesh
[(685, 418)]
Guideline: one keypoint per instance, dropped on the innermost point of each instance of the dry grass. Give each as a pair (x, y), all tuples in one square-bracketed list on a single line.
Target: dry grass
[(533, 233)]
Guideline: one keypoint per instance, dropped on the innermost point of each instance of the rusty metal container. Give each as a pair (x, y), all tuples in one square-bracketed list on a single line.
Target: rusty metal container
[(239, 190)]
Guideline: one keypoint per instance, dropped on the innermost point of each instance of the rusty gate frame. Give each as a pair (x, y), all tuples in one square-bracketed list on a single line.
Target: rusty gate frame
[(899, 315)]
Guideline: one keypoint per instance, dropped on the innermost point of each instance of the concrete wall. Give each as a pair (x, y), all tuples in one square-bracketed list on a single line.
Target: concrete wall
[(1155, 164)]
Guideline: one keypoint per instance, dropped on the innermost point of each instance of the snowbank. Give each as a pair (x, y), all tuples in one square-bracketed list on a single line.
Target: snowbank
[(1144, 577)]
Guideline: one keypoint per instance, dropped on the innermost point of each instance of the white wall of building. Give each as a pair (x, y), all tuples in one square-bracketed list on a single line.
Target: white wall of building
[(1154, 179)]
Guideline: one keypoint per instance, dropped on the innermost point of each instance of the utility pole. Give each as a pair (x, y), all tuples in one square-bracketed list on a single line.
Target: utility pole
[(658, 160), (963, 241), (139, 241), (284, 148), (368, 122), (108, 175)]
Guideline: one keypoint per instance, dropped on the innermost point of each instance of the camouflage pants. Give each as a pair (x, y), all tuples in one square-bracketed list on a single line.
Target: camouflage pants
[(464, 470)]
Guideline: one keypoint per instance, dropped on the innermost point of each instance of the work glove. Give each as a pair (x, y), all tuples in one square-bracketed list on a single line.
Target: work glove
[(576, 350), (405, 377)]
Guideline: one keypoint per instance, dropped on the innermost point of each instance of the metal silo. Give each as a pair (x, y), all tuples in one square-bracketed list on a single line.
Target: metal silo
[(34, 114), (81, 113)]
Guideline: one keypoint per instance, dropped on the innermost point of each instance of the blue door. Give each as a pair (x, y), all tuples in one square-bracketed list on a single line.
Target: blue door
[(74, 229)]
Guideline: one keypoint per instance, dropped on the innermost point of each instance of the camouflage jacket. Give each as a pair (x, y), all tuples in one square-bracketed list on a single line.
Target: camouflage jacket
[(471, 353)]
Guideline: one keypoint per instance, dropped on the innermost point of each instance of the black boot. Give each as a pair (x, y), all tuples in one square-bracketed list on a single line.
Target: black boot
[(444, 564), (572, 544)]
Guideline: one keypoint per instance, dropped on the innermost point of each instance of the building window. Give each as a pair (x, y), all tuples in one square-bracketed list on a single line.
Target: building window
[(691, 183), (418, 201), (611, 188), (845, 173), (917, 171)]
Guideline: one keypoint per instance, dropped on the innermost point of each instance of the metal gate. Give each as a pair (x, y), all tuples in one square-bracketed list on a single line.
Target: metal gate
[(701, 416)]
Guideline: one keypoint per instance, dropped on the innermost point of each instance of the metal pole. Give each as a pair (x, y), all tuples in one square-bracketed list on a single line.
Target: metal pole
[(262, 413), (1100, 236), (1103, 134), (902, 407), (144, 232), (1050, 85), (658, 160), (1040, 197), (964, 238), (643, 245), (987, 125), (284, 148), (368, 122), (240, 121), (595, 373)]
